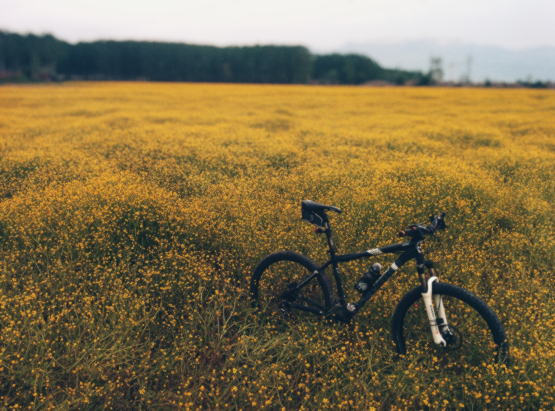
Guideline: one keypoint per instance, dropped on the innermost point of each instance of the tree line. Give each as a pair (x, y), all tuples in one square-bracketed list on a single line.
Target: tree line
[(35, 58)]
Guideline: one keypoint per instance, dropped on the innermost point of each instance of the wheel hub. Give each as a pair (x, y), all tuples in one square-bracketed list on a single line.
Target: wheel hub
[(452, 337), (288, 297)]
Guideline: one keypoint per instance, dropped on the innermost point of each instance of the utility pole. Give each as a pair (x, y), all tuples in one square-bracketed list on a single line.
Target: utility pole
[(466, 76), (436, 70)]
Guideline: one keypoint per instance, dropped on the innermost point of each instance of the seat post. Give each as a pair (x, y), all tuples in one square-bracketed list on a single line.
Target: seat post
[(336, 274), (331, 245)]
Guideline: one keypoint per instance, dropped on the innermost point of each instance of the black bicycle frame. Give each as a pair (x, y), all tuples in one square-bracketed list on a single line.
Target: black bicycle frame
[(410, 250)]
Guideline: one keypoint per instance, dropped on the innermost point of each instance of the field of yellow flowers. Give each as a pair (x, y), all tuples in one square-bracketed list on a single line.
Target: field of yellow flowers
[(133, 214)]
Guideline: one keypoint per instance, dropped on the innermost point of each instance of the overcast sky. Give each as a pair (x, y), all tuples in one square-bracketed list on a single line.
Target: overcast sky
[(321, 25)]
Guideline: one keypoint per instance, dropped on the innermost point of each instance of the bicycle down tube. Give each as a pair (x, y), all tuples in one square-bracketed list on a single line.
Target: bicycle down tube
[(410, 250)]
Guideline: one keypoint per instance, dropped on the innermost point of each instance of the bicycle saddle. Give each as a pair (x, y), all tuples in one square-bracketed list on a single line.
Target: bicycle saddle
[(315, 207)]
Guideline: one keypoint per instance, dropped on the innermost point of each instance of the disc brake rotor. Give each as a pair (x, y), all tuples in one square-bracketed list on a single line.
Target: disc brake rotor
[(452, 337)]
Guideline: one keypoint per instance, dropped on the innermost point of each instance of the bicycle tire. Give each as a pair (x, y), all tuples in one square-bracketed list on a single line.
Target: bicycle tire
[(480, 331), (274, 272)]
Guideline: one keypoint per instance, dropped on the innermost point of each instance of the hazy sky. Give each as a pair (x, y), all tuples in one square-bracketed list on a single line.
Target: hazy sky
[(319, 24)]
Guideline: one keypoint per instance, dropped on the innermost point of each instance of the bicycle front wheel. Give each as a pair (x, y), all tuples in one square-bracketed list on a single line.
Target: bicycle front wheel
[(474, 333), (278, 274)]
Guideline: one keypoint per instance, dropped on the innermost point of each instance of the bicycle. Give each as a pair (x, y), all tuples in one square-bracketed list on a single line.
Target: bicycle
[(289, 282)]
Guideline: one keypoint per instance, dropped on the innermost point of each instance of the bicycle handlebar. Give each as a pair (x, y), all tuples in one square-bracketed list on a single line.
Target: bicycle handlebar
[(438, 223), (404, 233)]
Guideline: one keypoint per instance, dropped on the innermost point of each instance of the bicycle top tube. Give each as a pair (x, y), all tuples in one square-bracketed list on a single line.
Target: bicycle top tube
[(388, 249)]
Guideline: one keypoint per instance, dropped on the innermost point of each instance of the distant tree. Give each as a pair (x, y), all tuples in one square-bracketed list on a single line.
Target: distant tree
[(424, 80), (436, 70), (345, 69), (401, 77), (532, 84), (130, 60), (30, 55), (45, 57), (400, 80)]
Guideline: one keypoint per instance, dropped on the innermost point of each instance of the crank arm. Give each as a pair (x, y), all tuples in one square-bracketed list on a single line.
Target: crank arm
[(314, 303), (427, 297)]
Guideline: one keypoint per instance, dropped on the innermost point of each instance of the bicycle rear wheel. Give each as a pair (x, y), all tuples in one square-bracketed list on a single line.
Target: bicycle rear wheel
[(277, 274), (475, 334)]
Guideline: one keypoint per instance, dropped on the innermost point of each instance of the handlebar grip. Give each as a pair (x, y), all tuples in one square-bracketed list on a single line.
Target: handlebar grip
[(401, 233)]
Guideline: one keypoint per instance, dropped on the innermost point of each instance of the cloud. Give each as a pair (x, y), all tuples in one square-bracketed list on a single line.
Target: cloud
[(320, 24)]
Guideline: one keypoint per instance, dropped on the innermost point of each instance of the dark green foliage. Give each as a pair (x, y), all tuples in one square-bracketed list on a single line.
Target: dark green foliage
[(536, 84), (345, 69), (131, 60), (425, 80), (35, 58), (30, 56), (402, 77)]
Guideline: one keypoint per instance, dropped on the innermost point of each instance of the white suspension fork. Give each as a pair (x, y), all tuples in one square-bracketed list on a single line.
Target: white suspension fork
[(441, 316), (427, 298)]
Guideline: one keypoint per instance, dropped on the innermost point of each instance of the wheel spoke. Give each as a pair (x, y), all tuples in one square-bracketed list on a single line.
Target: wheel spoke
[(277, 291)]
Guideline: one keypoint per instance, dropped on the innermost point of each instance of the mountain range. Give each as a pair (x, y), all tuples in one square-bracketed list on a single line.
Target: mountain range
[(461, 61)]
